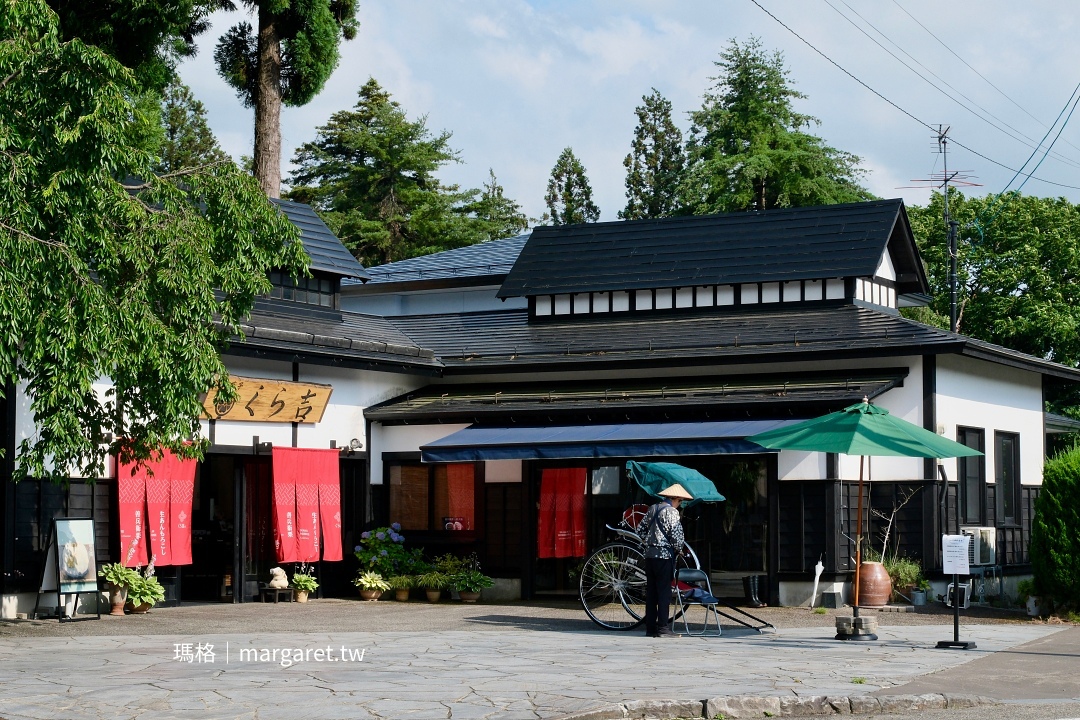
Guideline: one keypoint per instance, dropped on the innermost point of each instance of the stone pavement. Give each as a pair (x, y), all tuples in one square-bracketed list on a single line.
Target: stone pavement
[(510, 672)]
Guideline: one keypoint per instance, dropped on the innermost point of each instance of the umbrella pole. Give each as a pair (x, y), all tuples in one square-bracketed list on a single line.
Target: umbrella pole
[(858, 535)]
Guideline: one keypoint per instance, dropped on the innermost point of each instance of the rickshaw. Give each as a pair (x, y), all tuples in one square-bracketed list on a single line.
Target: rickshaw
[(612, 582)]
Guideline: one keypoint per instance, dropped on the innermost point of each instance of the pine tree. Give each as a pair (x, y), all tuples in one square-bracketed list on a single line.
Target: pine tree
[(370, 173), (497, 215), (656, 163), (188, 141), (748, 148), (569, 195), (287, 60)]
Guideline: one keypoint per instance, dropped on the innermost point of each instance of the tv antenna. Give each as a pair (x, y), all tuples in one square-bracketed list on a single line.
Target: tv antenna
[(957, 178)]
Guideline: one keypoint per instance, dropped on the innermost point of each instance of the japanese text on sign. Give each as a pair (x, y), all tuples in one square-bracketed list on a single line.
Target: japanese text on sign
[(263, 400)]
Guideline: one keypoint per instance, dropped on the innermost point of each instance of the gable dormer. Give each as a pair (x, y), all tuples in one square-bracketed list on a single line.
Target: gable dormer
[(856, 252), (330, 262)]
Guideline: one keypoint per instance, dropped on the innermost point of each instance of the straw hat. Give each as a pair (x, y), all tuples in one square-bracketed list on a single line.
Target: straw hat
[(675, 491)]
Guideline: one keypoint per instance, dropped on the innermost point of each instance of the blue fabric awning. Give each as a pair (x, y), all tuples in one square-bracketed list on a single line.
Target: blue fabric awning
[(627, 440)]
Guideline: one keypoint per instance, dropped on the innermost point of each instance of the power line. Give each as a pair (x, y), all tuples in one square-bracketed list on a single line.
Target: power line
[(972, 69), (1022, 137), (890, 102)]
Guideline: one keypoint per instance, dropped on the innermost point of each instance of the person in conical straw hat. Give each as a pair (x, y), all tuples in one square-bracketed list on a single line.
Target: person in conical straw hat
[(662, 533)]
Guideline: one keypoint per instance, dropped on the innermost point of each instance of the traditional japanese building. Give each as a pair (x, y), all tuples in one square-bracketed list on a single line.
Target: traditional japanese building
[(488, 398)]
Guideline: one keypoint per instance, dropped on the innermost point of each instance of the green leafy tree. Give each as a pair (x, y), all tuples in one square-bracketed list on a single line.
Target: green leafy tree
[(656, 163), (497, 216), (187, 140), (569, 195), (147, 37), (749, 149), (370, 172), (138, 281), (1018, 270), (1055, 543), (286, 59)]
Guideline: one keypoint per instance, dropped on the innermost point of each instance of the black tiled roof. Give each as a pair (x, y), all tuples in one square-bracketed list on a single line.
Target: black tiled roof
[(506, 340), (779, 245), (493, 402), (345, 338), (326, 251), (494, 257)]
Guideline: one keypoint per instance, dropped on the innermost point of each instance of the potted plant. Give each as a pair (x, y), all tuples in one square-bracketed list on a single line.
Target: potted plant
[(469, 583), (371, 585), (433, 582), (382, 550), (904, 573), (119, 579), (304, 584), (401, 584), (918, 595), (144, 592), (1026, 590)]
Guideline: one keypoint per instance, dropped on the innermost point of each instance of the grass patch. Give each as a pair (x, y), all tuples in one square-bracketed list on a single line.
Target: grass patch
[(820, 611), (859, 680)]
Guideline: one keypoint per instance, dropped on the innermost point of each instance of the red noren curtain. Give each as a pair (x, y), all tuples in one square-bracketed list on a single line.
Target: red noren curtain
[(561, 525)]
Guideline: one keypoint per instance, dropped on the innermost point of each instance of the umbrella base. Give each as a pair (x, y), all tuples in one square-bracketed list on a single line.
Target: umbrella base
[(859, 629)]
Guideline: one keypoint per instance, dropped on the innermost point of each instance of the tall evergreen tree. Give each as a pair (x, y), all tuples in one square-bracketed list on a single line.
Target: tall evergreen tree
[(497, 215), (749, 149), (187, 140), (370, 172), (287, 60), (569, 195), (147, 37), (656, 163)]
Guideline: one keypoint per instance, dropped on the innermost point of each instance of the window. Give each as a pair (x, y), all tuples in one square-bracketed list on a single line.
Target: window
[(433, 497), (309, 291), (1007, 476), (971, 473)]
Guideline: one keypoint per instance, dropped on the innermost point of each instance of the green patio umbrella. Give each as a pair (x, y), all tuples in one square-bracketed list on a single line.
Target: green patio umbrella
[(654, 477), (862, 429)]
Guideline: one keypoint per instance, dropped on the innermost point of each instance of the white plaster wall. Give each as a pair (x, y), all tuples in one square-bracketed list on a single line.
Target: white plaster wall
[(904, 402), (503, 471), (25, 428), (975, 393), (343, 419), (434, 302), (403, 438)]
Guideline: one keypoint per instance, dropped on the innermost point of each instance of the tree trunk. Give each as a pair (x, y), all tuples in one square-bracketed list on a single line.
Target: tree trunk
[(267, 159)]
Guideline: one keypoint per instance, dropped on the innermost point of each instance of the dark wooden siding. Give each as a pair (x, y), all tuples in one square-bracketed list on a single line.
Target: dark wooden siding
[(503, 542), (36, 503)]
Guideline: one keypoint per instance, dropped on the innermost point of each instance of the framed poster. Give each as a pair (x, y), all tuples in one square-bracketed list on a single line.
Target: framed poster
[(76, 555), (70, 566)]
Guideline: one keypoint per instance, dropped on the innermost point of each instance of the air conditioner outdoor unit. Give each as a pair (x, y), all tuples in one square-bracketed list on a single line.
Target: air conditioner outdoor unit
[(982, 550)]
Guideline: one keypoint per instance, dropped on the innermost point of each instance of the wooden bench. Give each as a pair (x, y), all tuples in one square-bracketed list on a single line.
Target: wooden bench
[(276, 593)]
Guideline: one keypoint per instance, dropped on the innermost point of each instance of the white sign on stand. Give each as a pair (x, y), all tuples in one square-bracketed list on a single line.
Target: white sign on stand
[(954, 554)]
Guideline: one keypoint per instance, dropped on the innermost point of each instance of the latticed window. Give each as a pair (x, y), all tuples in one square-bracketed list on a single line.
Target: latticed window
[(310, 291)]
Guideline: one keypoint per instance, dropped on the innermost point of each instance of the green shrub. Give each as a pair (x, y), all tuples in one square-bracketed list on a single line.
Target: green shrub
[(1055, 542), (903, 571)]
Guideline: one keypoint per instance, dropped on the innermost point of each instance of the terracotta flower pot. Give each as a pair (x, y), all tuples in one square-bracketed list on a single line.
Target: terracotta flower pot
[(469, 597), (370, 595), (139, 609), (301, 595), (117, 598), (433, 596), (875, 585), (401, 594)]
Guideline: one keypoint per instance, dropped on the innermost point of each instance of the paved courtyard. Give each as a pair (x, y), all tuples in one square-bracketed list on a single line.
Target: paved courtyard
[(447, 661)]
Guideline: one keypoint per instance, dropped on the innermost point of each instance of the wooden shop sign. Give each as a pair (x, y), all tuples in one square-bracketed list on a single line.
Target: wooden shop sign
[(263, 400)]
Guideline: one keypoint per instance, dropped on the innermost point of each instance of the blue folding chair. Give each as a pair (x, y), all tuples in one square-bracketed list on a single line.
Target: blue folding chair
[(700, 595)]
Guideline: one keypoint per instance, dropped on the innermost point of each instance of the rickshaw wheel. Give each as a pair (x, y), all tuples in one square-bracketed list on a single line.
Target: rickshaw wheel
[(612, 586)]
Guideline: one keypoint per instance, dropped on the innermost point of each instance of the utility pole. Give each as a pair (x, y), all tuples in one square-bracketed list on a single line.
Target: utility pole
[(943, 145)]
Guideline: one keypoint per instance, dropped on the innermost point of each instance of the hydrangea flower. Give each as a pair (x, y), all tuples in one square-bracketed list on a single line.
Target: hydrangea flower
[(357, 549), (396, 527), (383, 553), (365, 535), (380, 536)]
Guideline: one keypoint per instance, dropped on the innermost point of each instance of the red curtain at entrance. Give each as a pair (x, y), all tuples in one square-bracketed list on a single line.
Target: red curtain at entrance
[(306, 488), (131, 491), (161, 499), (561, 529)]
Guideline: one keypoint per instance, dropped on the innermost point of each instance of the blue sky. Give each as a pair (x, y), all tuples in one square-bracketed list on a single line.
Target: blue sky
[(516, 81)]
